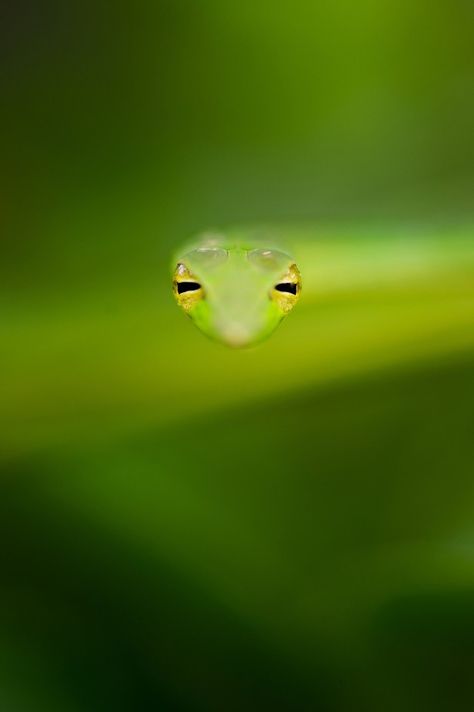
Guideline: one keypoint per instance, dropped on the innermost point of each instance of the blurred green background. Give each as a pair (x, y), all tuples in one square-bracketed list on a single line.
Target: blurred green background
[(184, 527)]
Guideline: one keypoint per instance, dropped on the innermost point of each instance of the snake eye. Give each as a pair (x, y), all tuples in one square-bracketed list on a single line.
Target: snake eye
[(187, 290), (183, 287), (286, 293), (289, 287)]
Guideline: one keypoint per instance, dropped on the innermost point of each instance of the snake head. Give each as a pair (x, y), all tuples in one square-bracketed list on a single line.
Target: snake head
[(234, 294)]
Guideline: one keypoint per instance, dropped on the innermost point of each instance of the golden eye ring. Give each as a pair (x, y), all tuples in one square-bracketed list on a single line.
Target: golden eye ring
[(287, 291), (186, 288)]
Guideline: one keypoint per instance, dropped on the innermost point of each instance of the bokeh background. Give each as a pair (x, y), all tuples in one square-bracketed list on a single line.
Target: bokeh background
[(184, 527)]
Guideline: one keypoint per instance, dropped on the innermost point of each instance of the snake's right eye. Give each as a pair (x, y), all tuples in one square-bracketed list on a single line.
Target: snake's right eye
[(183, 287), (187, 290)]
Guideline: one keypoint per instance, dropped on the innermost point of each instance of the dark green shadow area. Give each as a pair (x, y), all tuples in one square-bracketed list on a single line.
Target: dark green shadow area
[(310, 553), (427, 641)]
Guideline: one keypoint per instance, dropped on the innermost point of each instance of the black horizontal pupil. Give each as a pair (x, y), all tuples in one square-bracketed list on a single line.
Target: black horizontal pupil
[(188, 287), (290, 287)]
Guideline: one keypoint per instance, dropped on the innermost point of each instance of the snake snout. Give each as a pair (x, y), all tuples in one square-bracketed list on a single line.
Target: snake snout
[(236, 335)]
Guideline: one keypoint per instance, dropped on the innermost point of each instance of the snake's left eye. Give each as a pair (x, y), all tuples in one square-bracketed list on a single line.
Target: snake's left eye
[(289, 287), (287, 292)]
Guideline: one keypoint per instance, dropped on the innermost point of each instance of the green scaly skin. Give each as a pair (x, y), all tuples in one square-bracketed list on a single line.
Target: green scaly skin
[(238, 302)]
